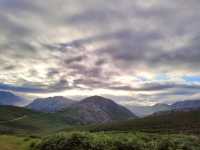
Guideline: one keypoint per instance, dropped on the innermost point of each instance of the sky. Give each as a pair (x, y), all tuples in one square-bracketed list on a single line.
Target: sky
[(137, 52)]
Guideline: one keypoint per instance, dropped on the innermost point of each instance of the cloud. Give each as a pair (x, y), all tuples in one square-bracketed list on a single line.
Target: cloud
[(102, 46), (20, 89)]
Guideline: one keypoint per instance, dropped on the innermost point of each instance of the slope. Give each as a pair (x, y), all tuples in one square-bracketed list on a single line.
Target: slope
[(19, 120), (166, 122)]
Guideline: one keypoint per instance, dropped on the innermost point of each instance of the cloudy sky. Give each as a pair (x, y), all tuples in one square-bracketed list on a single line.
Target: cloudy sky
[(136, 52)]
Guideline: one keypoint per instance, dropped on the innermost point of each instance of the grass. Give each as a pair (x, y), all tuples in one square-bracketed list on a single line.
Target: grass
[(14, 120), (8, 142)]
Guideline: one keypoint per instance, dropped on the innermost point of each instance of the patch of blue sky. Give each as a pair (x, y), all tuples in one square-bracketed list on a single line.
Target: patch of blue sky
[(192, 78)]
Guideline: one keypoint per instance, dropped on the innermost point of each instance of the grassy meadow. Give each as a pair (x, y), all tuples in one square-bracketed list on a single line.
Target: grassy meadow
[(11, 142)]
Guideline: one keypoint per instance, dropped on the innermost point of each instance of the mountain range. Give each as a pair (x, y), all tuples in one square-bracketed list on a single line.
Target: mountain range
[(142, 111), (93, 109)]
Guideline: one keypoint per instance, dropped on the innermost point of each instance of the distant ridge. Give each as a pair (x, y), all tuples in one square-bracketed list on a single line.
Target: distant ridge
[(50, 104), (143, 111), (8, 98), (185, 105)]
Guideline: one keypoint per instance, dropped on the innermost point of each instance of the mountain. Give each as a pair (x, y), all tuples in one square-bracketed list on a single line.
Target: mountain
[(50, 104), (142, 111), (165, 122), (8, 98), (96, 109), (186, 105)]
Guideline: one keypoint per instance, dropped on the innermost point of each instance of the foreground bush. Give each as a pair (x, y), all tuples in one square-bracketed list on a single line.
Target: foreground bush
[(119, 141)]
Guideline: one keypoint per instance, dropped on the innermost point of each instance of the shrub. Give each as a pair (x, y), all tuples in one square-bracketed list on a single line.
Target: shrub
[(166, 144), (113, 141)]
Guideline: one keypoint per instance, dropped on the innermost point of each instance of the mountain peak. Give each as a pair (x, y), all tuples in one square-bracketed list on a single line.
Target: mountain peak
[(50, 104), (97, 109), (97, 99)]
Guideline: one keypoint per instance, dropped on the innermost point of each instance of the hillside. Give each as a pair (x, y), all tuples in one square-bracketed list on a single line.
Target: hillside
[(50, 104), (22, 121), (96, 109), (8, 98), (167, 122)]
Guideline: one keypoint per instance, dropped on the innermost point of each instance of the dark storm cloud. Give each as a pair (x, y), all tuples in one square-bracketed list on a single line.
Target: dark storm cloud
[(125, 45), (117, 35), (75, 59), (9, 67), (133, 51), (21, 88), (52, 72), (94, 16), (87, 72), (100, 62), (17, 5), (61, 85), (187, 56), (131, 45), (12, 29)]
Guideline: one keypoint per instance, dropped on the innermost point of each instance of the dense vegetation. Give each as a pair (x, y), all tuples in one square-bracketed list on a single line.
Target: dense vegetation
[(117, 141), (166, 122)]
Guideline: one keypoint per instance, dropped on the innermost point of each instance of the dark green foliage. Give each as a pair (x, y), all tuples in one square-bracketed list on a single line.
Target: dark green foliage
[(166, 122), (166, 144), (117, 141)]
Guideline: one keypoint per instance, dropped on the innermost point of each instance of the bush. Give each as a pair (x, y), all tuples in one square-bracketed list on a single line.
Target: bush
[(106, 141), (166, 144)]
